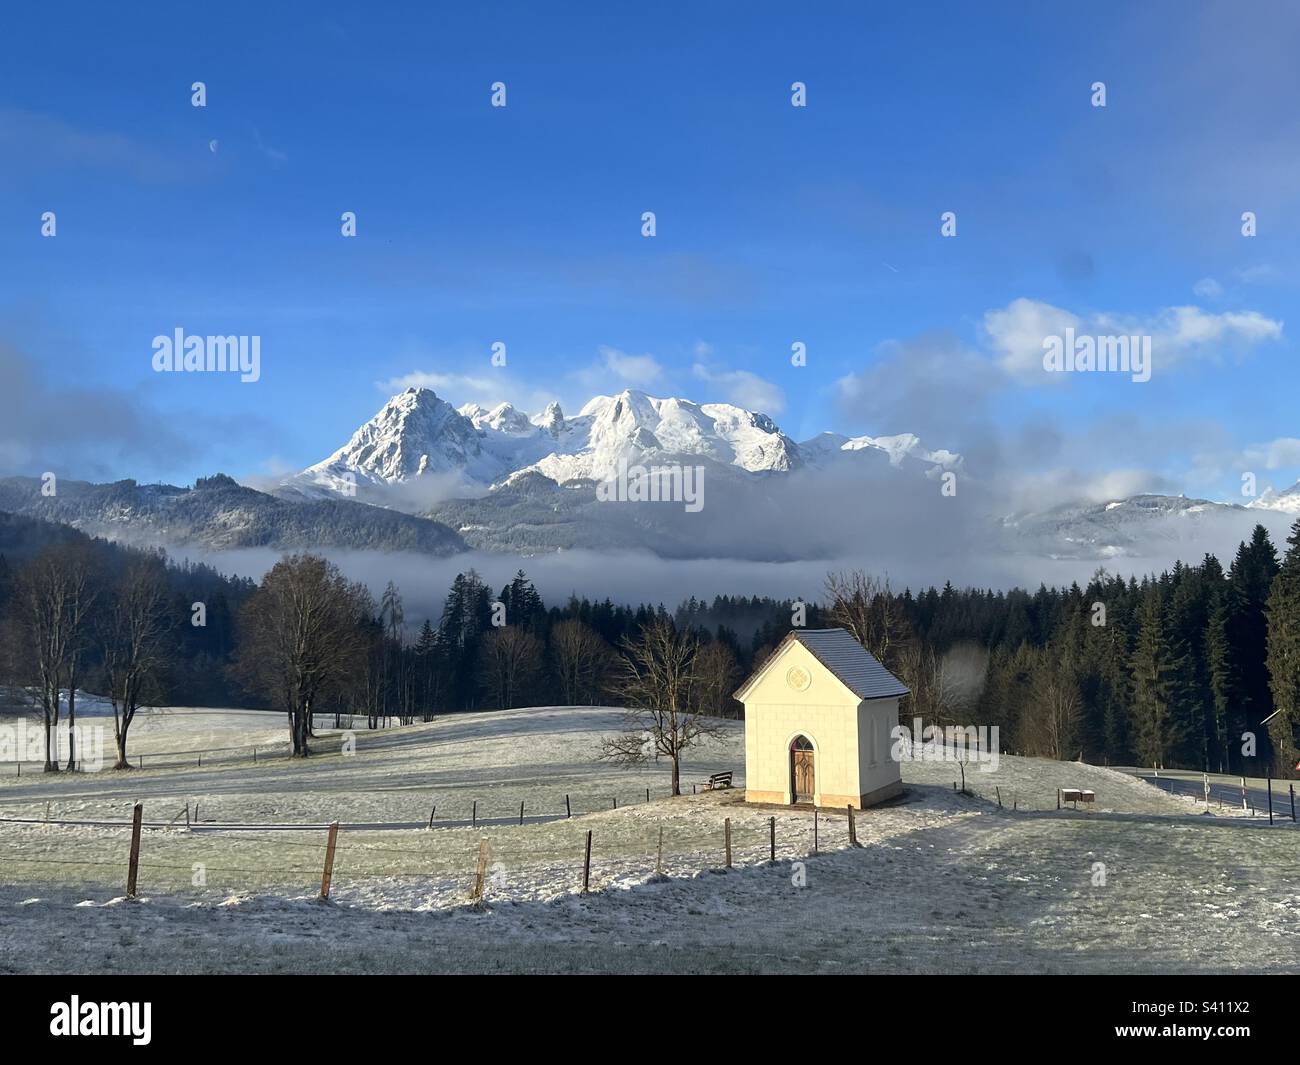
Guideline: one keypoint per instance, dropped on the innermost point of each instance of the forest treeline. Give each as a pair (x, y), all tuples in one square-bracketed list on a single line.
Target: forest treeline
[(1196, 667)]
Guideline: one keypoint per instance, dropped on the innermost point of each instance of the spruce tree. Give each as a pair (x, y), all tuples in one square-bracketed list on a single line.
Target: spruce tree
[(1218, 662), (1250, 579), (1154, 667), (1283, 660)]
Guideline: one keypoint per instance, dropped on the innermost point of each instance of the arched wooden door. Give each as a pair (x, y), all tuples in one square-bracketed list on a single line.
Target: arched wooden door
[(803, 775)]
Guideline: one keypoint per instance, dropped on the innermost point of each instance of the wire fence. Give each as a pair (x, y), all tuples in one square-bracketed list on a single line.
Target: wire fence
[(485, 861), (500, 806), (195, 757), (463, 849), (536, 847)]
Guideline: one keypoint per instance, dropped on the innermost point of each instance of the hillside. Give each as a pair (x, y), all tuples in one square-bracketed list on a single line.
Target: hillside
[(943, 882), (218, 513)]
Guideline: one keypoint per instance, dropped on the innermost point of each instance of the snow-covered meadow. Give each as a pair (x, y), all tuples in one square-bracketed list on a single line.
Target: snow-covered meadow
[(942, 881)]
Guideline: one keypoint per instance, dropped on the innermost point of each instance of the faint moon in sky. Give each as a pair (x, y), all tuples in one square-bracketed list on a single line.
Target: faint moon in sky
[(212, 146)]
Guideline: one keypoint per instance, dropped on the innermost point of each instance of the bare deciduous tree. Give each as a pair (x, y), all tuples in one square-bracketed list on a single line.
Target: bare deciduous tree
[(582, 660), (863, 604), (1056, 693), (303, 633), (53, 599), (656, 680), (131, 639), (945, 688), (718, 673), (510, 658)]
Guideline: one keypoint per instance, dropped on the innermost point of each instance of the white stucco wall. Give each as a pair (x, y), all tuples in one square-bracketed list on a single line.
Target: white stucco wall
[(876, 767), (797, 695)]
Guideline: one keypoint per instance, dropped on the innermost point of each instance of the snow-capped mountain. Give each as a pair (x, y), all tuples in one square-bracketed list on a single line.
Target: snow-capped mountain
[(506, 480), (1123, 528), (830, 447), (1287, 500), (417, 436)]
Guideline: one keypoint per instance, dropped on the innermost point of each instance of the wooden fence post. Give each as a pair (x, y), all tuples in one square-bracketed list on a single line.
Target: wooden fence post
[(480, 874), (771, 825), (853, 828), (615, 802), (586, 865), (647, 794), (133, 865), (726, 830), (328, 874), (1269, 779), (521, 811), (568, 810), (999, 791), (187, 817), (473, 817), (431, 813), (1291, 788)]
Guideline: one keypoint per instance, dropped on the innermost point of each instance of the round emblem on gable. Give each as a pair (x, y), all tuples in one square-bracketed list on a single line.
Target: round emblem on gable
[(798, 678)]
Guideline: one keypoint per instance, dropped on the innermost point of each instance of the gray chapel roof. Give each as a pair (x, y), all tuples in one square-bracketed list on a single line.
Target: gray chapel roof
[(856, 667)]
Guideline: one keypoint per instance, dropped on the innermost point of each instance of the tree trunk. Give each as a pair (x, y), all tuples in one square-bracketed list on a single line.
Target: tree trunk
[(300, 749), (72, 728), (677, 783), (120, 738), (52, 735)]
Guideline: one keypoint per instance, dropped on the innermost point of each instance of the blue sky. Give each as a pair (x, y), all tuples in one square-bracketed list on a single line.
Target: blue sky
[(775, 224)]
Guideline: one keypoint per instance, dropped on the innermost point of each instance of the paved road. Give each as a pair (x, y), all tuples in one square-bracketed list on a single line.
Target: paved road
[(1223, 789)]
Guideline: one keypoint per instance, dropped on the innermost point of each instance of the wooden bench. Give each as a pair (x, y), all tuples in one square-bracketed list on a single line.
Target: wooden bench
[(718, 780)]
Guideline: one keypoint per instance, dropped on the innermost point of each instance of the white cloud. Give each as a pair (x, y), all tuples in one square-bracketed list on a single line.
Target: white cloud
[(487, 390), (743, 388), (457, 387), (1207, 289), (1275, 454), (1182, 330), (639, 370), (620, 368), (1040, 490), (1260, 273), (1016, 334)]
